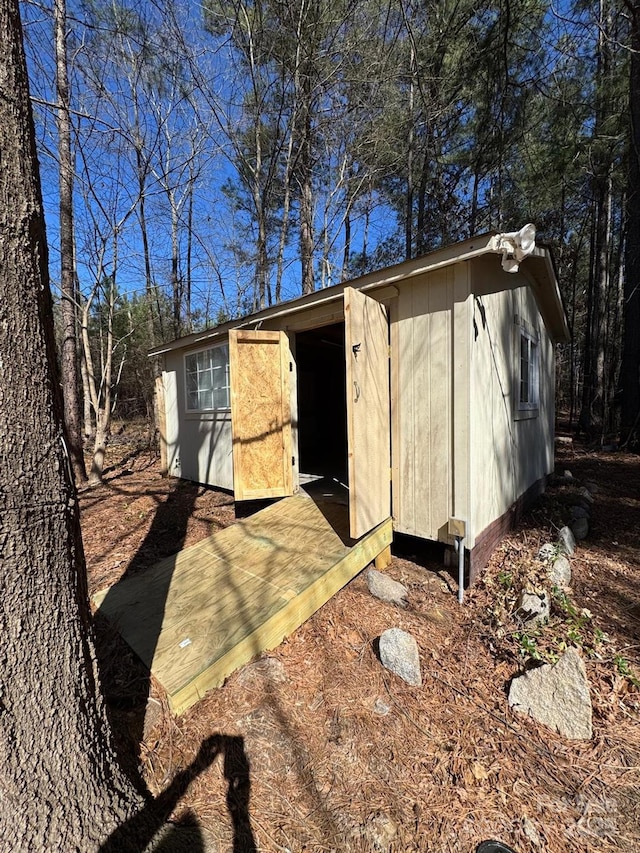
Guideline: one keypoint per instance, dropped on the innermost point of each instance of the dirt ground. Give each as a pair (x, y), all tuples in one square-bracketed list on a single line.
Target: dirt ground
[(316, 747)]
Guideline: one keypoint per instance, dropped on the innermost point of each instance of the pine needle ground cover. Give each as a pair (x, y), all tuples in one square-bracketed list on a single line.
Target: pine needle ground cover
[(316, 747)]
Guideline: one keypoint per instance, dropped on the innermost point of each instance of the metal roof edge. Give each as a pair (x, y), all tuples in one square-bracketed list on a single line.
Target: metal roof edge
[(558, 325), (464, 250), (455, 253)]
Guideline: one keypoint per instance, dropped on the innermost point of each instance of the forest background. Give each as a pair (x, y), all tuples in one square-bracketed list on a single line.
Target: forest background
[(201, 161)]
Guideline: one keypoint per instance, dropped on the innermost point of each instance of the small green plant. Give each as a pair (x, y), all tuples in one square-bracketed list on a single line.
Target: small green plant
[(581, 631), (570, 624), (622, 665), (528, 645), (574, 635), (600, 636), (624, 669), (505, 579), (564, 602)]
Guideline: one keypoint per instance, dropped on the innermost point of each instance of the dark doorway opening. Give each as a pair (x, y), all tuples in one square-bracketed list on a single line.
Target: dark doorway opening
[(322, 415)]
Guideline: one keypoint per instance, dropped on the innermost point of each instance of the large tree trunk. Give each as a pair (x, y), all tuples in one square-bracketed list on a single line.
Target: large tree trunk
[(62, 786), (630, 373), (69, 354), (593, 414)]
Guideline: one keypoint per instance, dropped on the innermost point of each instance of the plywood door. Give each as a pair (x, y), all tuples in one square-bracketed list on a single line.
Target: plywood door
[(368, 411), (260, 414)]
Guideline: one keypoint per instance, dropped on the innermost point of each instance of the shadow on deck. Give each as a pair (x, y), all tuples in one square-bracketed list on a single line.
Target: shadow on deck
[(197, 616)]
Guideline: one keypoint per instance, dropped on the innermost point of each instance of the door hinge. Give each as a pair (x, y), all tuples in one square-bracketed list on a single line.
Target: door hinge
[(293, 460)]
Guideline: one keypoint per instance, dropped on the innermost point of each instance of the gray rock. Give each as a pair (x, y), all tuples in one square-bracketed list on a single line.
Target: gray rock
[(579, 512), (559, 572), (383, 587), (379, 832), (580, 528), (557, 696), (267, 670), (534, 607), (547, 552), (566, 541), (566, 479), (399, 654), (586, 494), (594, 488), (564, 439), (380, 707), (579, 501), (530, 831)]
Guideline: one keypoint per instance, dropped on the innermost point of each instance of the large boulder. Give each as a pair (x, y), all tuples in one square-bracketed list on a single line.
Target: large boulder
[(557, 696)]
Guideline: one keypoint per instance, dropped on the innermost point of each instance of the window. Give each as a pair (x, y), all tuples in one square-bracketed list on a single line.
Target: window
[(527, 392), (207, 375)]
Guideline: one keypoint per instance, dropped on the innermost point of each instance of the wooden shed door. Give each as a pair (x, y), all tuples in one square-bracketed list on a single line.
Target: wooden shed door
[(368, 411), (260, 414)]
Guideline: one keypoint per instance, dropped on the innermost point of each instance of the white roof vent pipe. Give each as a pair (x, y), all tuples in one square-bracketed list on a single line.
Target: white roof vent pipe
[(515, 246)]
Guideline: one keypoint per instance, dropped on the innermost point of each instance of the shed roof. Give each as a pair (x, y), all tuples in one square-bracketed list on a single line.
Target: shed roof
[(538, 268)]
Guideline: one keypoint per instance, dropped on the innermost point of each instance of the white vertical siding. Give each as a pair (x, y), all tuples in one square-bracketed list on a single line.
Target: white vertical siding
[(508, 455), (461, 438), (423, 345), (199, 445), (172, 420)]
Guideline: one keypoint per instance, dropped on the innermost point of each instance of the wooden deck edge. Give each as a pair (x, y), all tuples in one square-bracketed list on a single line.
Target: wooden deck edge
[(291, 616)]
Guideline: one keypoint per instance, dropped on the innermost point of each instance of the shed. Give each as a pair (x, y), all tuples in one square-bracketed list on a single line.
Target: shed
[(425, 390)]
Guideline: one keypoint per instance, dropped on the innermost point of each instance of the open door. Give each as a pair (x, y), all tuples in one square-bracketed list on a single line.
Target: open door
[(368, 411), (260, 414)]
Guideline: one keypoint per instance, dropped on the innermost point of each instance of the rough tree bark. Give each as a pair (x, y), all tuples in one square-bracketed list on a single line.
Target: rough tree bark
[(62, 788), (593, 413), (69, 353), (630, 373)]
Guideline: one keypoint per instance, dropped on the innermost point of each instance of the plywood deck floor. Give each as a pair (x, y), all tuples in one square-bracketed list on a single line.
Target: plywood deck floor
[(197, 616)]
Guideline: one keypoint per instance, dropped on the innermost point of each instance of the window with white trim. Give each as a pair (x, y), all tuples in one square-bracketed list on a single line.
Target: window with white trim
[(207, 379), (528, 390)]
